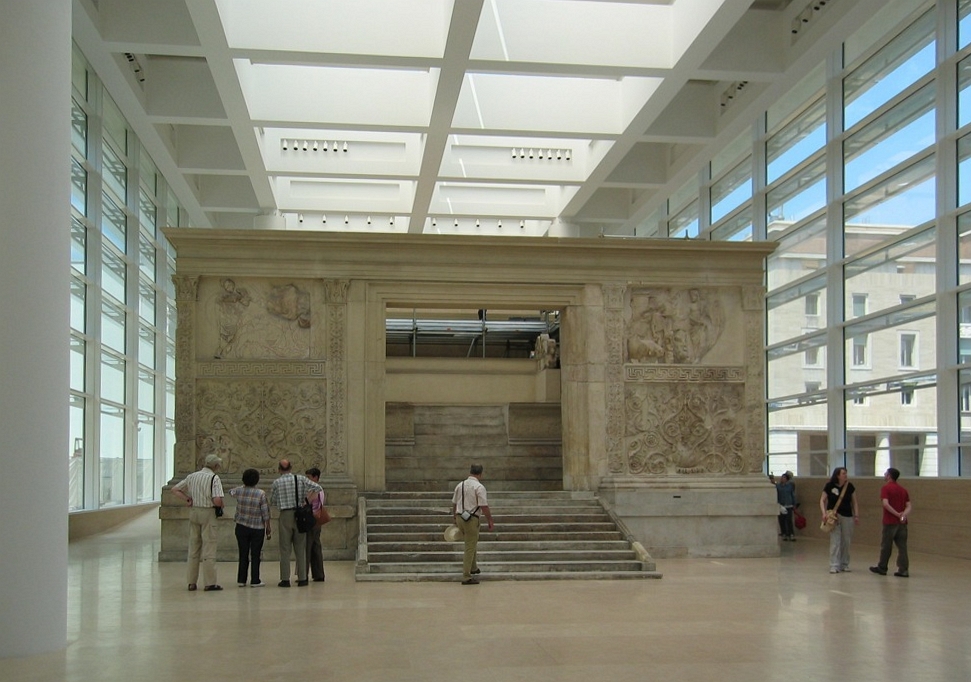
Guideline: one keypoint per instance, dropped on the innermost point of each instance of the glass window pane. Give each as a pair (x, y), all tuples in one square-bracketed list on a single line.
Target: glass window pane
[(964, 404), (685, 224), (892, 69), (114, 223), (112, 488), (75, 472), (797, 431), (146, 301), (146, 346), (145, 460), (801, 250), (906, 268), (148, 175), (147, 213), (146, 256), (77, 364), (964, 170), (964, 327), (170, 399), (890, 139), (911, 406), (79, 129), (79, 245), (146, 390), (964, 248), (964, 92), (113, 274), (732, 190), (901, 202), (964, 23), (171, 319), (79, 188), (799, 367), (798, 197), (112, 378), (786, 310), (115, 175), (113, 326), (731, 153), (736, 229), (796, 142), (77, 305), (873, 347), (79, 74), (115, 128), (170, 360)]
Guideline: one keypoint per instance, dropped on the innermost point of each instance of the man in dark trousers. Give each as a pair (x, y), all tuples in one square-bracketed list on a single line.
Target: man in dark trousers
[(468, 502), (896, 511)]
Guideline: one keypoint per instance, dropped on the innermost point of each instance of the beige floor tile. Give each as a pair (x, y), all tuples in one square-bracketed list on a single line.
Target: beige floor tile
[(786, 618)]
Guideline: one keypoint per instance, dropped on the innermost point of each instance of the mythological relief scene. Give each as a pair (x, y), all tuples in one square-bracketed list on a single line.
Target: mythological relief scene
[(684, 326), (255, 319), (256, 423), (688, 427)]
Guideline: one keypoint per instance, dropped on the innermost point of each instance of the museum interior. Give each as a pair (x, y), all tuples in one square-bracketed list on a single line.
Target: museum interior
[(635, 256)]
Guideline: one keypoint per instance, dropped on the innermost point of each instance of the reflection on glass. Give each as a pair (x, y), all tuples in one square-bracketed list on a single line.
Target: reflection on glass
[(145, 460), (75, 473), (113, 326), (906, 268), (731, 191), (890, 139), (112, 378), (79, 188), (796, 198), (904, 200), (787, 315), (796, 142), (112, 456), (801, 250), (77, 305), (892, 69), (685, 224)]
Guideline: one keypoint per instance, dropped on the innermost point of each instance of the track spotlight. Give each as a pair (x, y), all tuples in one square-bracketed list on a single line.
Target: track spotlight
[(305, 145), (315, 145), (346, 220), (434, 222), (300, 217), (499, 224), (476, 222), (456, 222), (522, 224), (284, 145), (345, 146), (391, 221), (369, 220), (323, 219)]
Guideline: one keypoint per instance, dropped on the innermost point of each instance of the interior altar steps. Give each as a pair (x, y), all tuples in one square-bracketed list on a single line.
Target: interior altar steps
[(539, 535), (447, 439)]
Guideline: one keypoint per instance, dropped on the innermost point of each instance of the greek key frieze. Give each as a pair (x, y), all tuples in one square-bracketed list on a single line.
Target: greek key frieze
[(683, 373), (261, 369)]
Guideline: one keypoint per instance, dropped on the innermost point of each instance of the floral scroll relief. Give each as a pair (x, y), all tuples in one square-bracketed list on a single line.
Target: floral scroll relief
[(685, 429), (257, 423)]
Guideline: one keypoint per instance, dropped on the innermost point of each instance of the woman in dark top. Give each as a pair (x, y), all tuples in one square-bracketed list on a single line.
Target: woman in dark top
[(847, 514)]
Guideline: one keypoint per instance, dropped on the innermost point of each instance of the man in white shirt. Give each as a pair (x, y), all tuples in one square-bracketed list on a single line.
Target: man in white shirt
[(205, 494), (468, 502)]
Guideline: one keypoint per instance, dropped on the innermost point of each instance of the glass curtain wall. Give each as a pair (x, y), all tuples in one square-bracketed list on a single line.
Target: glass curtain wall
[(862, 174), (122, 308)]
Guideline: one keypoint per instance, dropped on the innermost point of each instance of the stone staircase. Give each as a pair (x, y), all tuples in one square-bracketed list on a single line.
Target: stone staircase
[(542, 535)]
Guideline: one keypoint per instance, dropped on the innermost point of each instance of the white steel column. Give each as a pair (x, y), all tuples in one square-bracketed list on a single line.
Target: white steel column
[(35, 154)]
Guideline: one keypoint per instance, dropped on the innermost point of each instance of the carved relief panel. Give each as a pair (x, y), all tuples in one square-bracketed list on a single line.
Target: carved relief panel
[(259, 319), (255, 423), (688, 388)]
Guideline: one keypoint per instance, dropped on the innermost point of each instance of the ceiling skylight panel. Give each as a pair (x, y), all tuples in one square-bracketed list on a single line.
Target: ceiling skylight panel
[(412, 28), (331, 96), (552, 103), (615, 34)]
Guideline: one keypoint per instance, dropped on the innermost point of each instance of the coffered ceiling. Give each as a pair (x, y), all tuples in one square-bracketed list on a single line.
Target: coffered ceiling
[(538, 117)]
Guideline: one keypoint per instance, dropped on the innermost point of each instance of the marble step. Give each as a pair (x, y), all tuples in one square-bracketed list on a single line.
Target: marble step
[(501, 569), (507, 536), (505, 557), (533, 528), (566, 543), (405, 576)]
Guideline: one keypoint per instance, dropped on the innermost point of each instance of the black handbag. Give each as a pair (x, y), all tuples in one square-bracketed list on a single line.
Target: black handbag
[(303, 515)]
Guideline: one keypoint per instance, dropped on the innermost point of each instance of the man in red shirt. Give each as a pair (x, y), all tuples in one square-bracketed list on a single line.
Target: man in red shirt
[(896, 511)]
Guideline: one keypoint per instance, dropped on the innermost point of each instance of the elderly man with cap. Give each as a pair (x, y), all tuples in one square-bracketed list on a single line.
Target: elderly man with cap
[(205, 501)]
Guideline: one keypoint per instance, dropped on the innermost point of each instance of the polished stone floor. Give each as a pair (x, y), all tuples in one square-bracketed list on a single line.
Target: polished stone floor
[(744, 620)]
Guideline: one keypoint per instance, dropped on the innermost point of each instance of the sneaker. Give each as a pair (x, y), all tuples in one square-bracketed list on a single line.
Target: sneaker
[(240, 584), (303, 583), (283, 583), (470, 581), (834, 570), (259, 584), (792, 538), (212, 588), (845, 570), (476, 571), (902, 574), (878, 570)]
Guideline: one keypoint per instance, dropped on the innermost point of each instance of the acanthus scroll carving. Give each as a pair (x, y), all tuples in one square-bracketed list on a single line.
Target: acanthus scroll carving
[(256, 423), (186, 287), (336, 290), (685, 429)]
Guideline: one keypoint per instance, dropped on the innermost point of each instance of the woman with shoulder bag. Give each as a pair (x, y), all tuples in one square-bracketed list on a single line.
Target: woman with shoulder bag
[(838, 496)]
